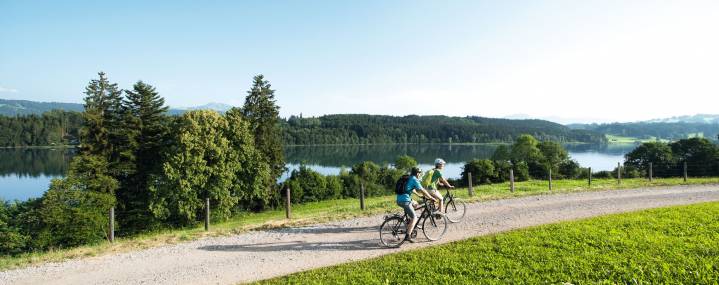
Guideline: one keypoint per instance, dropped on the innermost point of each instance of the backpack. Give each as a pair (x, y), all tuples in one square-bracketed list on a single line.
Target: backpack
[(401, 183), (427, 178)]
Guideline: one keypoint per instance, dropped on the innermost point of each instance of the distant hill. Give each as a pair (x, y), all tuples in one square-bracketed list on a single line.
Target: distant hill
[(24, 107), (13, 108), (674, 128), (696, 119)]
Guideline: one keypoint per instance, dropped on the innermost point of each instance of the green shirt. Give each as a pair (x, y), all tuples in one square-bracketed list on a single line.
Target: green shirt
[(435, 179)]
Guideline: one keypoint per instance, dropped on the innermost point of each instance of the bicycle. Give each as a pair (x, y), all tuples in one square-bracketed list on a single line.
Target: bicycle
[(454, 208), (393, 230)]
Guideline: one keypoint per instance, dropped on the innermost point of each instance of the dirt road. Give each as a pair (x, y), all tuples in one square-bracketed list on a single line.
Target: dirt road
[(265, 254)]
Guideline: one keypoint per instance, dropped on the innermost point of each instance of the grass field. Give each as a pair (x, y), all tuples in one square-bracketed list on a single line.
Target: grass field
[(322, 212), (660, 246), (630, 140)]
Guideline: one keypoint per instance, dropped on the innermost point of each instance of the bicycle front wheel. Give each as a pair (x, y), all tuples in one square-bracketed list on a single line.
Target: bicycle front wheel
[(434, 227), (392, 232), (455, 210)]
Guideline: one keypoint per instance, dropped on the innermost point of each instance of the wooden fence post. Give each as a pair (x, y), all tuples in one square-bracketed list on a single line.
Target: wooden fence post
[(111, 235), (288, 203), (207, 214), (511, 180), (619, 173), (550, 179), (590, 176), (362, 196), (469, 183), (685, 171), (651, 172)]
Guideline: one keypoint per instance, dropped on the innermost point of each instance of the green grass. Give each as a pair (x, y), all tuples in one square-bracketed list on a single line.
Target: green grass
[(317, 212), (659, 246)]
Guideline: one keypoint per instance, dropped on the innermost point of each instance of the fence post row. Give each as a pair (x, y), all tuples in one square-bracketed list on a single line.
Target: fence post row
[(207, 214), (651, 170), (550, 179), (511, 180), (111, 235), (590, 176), (685, 171), (362, 196), (469, 183), (288, 201)]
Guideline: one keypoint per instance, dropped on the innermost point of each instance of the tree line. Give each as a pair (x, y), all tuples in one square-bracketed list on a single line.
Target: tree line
[(155, 169), (51, 128), (378, 129)]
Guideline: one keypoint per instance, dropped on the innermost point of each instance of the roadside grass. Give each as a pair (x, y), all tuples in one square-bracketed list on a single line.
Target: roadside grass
[(675, 245), (323, 211)]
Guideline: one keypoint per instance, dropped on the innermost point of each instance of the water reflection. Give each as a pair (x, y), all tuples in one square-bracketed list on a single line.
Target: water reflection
[(26, 173)]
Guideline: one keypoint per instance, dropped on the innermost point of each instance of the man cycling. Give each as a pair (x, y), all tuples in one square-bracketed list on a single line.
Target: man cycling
[(438, 179), (404, 200)]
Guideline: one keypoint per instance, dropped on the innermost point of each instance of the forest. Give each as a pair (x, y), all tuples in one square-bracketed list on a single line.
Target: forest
[(378, 129), (659, 130), (61, 127)]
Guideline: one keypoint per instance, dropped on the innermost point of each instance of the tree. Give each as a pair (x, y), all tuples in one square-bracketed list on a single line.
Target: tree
[(262, 113), (700, 154), (526, 149), (405, 163), (145, 129), (199, 165), (482, 171), (253, 174), (102, 117), (553, 155), (658, 153), (74, 209)]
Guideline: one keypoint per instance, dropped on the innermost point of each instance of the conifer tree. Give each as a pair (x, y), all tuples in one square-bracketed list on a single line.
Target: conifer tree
[(145, 136), (103, 117), (262, 113)]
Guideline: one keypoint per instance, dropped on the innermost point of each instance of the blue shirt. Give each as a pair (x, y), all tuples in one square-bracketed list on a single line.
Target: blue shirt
[(412, 184)]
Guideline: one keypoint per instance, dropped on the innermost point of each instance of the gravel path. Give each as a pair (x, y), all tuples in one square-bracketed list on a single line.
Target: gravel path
[(265, 254)]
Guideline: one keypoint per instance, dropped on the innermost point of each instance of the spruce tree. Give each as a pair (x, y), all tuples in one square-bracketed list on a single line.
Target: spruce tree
[(103, 117), (145, 137), (262, 112)]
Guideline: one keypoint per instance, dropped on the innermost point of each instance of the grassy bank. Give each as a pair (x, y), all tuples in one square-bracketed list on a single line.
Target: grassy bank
[(664, 246), (321, 212)]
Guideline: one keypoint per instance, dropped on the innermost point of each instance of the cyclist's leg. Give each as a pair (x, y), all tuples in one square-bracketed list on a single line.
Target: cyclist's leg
[(435, 193), (409, 210)]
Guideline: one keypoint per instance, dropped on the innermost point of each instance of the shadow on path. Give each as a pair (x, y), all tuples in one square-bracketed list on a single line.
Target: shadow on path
[(326, 230), (298, 246)]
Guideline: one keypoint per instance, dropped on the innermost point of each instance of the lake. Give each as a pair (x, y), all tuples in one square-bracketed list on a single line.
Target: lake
[(26, 173)]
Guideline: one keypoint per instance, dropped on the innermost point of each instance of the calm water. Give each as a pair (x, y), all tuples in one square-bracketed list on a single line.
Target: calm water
[(26, 173)]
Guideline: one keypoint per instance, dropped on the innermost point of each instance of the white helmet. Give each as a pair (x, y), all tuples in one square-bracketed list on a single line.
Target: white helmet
[(439, 161)]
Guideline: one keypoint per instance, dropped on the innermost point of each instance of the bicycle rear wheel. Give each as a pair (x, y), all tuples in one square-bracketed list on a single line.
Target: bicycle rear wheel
[(392, 232), (434, 227), (455, 210)]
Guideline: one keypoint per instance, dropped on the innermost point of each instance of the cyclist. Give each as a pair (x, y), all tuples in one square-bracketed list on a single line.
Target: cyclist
[(405, 200), (438, 179)]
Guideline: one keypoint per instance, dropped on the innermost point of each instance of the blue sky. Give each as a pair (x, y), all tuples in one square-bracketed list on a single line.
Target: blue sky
[(565, 60)]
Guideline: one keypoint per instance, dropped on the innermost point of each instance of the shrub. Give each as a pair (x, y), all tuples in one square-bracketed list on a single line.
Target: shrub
[(482, 171)]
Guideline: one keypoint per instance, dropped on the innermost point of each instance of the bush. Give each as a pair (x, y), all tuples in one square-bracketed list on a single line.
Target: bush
[(404, 163), (482, 171), (73, 216), (569, 169)]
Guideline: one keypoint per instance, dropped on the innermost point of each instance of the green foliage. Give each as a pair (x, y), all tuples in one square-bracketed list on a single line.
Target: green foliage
[(482, 171), (374, 129), (12, 241), (199, 165), (262, 113), (102, 116), (657, 153), (145, 133), (74, 210), (674, 245), (405, 163), (701, 155), (308, 185), (655, 130), (51, 128), (209, 158)]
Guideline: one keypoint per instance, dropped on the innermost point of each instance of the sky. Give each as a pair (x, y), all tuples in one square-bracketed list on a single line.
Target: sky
[(568, 61)]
